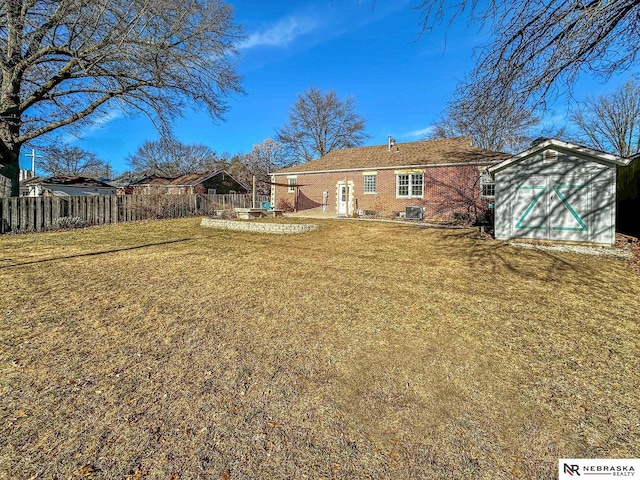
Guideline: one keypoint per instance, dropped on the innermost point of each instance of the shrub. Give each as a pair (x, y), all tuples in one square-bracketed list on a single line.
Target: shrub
[(284, 204), (228, 214), (67, 223)]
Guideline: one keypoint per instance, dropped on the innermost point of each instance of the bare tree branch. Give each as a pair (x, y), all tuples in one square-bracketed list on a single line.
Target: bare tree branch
[(321, 123), (540, 48), (611, 123), (169, 157), (62, 62), (505, 128), (65, 160)]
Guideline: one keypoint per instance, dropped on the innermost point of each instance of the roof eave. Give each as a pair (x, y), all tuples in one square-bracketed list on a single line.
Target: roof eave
[(386, 167), (566, 146)]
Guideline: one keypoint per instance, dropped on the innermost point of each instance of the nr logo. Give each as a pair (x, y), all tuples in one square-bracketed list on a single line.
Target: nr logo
[(571, 469)]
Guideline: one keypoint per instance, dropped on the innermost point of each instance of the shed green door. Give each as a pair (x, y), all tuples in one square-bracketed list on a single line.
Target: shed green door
[(529, 209), (550, 208)]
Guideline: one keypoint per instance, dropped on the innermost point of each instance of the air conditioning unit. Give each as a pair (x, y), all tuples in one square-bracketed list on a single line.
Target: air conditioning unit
[(413, 213)]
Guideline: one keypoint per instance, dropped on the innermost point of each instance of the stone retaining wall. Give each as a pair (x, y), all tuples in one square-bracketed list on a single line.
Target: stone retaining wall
[(278, 228)]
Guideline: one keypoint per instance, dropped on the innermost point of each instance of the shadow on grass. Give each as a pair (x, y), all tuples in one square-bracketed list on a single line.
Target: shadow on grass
[(496, 253), (101, 252)]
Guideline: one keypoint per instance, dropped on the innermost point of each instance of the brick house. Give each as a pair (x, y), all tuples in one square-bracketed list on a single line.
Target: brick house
[(446, 178), (213, 182)]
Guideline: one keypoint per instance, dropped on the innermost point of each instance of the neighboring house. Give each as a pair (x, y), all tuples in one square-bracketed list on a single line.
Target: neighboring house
[(124, 183), (557, 190), (215, 182), (64, 186), (25, 175), (445, 178)]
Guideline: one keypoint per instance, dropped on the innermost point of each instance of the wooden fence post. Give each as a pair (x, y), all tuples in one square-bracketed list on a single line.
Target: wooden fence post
[(5, 225), (39, 219), (15, 214)]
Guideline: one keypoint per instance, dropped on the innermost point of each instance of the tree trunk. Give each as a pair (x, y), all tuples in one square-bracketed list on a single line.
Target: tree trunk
[(10, 142), (10, 167), (10, 154)]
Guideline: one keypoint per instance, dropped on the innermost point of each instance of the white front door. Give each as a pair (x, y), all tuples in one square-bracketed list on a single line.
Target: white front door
[(344, 192)]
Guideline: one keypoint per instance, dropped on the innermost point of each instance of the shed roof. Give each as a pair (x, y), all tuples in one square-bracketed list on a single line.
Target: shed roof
[(429, 152), (187, 180), (127, 179), (69, 180), (561, 145)]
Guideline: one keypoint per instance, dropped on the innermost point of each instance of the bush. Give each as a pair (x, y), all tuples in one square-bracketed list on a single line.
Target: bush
[(160, 206), (484, 217), (67, 223), (285, 204), (229, 215)]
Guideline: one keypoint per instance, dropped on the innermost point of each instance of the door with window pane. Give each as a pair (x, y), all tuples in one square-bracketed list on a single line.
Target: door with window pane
[(344, 191)]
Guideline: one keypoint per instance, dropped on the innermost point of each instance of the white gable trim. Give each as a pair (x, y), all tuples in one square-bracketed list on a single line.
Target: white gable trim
[(563, 146)]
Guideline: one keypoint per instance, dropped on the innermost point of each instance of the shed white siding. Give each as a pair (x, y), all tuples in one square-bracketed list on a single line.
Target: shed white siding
[(562, 196)]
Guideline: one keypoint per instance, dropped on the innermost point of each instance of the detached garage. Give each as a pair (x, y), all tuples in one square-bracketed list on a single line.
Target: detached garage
[(557, 191)]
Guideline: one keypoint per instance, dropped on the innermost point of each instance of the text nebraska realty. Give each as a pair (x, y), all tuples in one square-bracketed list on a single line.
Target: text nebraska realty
[(613, 470)]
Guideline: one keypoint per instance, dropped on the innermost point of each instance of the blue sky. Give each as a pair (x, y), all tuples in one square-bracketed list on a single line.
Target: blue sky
[(365, 49)]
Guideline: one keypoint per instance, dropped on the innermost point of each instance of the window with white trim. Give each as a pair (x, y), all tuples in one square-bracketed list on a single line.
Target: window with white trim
[(487, 185), (409, 185), (370, 183), (292, 182)]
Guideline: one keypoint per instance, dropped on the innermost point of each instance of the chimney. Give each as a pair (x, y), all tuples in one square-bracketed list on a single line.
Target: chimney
[(392, 142)]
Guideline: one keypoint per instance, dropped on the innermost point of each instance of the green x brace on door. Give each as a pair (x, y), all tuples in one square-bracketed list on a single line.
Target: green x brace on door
[(558, 190)]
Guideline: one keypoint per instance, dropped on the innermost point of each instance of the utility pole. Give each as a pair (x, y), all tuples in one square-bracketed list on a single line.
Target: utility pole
[(33, 160)]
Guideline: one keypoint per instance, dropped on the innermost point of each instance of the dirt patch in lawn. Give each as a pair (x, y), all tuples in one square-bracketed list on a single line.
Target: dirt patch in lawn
[(359, 350)]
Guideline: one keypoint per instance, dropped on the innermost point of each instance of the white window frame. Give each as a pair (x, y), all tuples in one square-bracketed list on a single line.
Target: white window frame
[(371, 177), (292, 182), (487, 183), (411, 185)]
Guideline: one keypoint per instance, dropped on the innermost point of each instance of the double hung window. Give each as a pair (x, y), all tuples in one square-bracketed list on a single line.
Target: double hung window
[(409, 185)]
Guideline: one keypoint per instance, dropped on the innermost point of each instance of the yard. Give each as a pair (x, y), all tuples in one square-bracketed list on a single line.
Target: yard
[(162, 350)]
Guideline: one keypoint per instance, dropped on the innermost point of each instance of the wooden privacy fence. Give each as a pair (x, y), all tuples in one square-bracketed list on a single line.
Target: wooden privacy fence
[(35, 214), (5, 186)]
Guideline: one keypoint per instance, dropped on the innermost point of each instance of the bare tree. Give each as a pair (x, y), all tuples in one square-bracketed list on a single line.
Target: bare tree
[(168, 157), (69, 62), (612, 123), (505, 128), (65, 160), (321, 123), (264, 158), (540, 48)]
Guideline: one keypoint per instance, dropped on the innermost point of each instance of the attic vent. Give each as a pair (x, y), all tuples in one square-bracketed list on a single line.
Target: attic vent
[(549, 156)]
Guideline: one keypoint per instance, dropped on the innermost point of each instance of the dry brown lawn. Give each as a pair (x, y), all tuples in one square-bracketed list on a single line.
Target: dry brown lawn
[(361, 350)]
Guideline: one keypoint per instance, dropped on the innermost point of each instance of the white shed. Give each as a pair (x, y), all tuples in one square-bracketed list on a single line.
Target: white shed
[(557, 191)]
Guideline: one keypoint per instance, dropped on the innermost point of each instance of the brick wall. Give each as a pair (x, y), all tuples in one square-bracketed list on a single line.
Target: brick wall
[(448, 190)]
